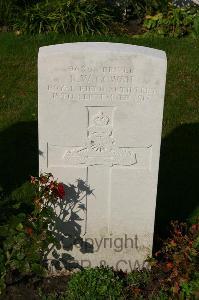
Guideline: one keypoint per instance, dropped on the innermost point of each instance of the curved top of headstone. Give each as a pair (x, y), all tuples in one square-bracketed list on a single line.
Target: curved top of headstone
[(101, 46)]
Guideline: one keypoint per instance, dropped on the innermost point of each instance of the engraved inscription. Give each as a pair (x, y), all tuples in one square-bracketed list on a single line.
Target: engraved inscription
[(100, 149), (103, 69), (104, 84)]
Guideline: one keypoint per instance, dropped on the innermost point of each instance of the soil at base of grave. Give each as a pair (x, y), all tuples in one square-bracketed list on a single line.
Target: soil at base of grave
[(33, 288), (30, 288)]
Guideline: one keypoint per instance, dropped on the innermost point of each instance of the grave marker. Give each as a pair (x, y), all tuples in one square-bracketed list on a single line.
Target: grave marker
[(100, 120)]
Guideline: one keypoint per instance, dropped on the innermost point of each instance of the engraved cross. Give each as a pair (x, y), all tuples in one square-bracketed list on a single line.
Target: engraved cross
[(101, 148)]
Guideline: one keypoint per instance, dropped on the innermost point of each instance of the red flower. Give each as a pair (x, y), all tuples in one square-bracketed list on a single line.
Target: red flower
[(60, 190), (195, 227), (169, 265), (29, 230), (32, 179), (52, 185), (43, 179)]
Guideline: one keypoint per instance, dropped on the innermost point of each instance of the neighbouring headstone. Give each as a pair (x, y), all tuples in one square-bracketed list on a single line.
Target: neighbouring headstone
[(100, 120), (182, 3)]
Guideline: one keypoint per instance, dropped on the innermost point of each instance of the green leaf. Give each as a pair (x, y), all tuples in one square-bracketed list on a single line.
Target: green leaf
[(38, 269), (20, 256), (19, 227)]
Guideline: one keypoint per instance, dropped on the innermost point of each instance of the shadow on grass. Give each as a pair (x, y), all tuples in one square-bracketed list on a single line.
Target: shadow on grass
[(178, 185), (19, 155)]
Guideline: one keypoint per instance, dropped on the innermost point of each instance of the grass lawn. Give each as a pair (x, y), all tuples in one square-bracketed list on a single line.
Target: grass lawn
[(178, 187)]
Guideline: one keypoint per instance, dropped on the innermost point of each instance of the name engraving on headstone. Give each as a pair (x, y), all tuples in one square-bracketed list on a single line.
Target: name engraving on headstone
[(105, 84)]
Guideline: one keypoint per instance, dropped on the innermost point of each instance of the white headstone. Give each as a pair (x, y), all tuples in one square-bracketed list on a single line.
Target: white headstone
[(100, 121)]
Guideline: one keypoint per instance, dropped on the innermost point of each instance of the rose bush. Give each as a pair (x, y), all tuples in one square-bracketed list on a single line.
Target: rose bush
[(25, 237)]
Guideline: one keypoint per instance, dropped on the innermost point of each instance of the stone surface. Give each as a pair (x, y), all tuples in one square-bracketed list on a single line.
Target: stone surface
[(100, 120)]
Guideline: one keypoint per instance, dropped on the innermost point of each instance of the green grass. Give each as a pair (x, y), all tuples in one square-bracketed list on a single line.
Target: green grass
[(178, 187)]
